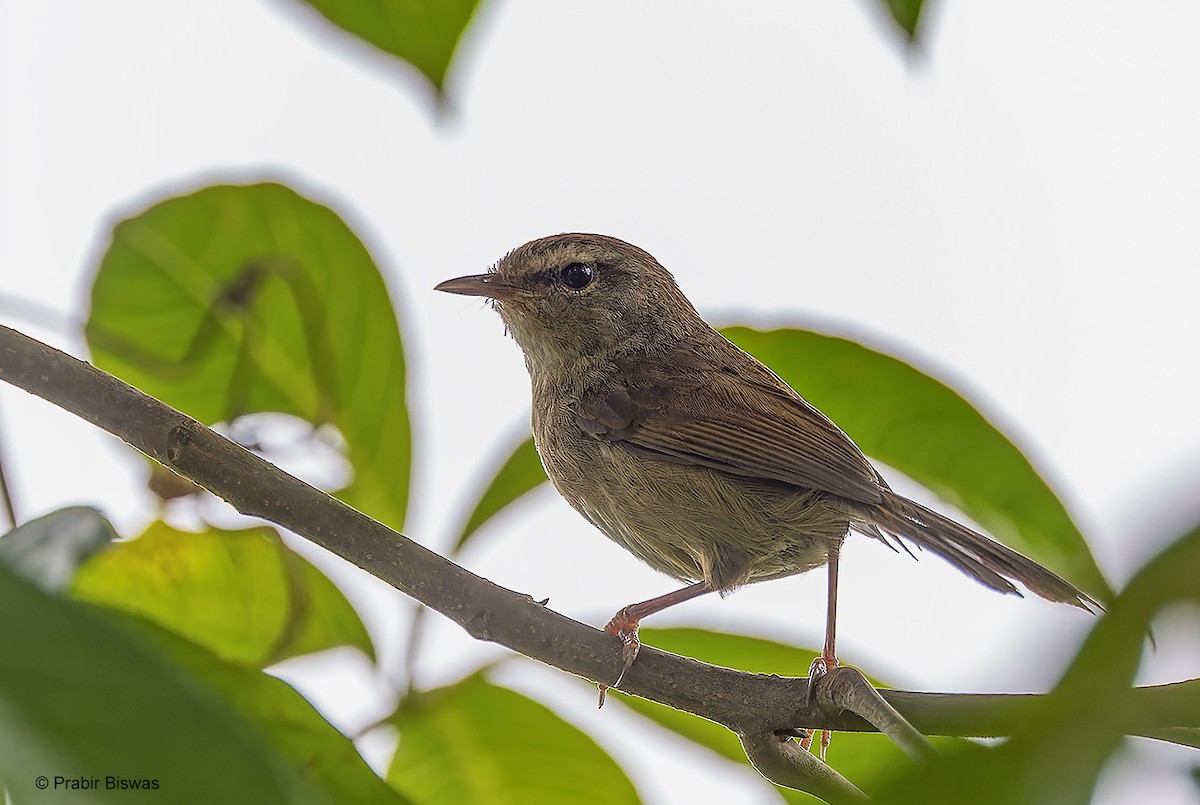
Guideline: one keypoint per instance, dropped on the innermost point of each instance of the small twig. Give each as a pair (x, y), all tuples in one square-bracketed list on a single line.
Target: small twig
[(416, 631), (783, 762), (39, 315), (847, 689)]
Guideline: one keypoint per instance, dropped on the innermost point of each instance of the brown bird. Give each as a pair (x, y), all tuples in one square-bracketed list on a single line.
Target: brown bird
[(692, 454)]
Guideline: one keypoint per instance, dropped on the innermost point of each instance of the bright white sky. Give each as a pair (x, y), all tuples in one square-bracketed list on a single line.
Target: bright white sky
[(1015, 207)]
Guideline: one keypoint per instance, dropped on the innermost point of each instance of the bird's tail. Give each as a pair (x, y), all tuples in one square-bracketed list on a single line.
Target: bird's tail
[(981, 558)]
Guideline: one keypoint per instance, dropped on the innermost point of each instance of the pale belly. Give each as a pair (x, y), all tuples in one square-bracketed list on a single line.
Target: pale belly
[(692, 522)]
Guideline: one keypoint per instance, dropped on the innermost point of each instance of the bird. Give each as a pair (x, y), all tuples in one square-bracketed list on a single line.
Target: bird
[(692, 454)]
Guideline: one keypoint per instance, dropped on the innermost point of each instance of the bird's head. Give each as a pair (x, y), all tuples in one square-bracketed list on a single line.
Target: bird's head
[(574, 296)]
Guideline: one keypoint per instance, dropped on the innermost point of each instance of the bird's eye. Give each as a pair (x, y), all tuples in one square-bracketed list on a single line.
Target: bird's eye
[(576, 276)]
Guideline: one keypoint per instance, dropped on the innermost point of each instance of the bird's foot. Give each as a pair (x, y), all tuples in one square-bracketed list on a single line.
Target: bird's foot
[(624, 626), (821, 665)]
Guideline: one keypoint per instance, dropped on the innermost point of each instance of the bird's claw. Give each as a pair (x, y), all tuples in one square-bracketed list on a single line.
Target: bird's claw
[(822, 664), (826, 737), (626, 629)]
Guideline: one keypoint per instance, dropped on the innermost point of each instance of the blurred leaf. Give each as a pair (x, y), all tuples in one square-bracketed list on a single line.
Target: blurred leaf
[(167, 485), (241, 594), (1184, 736), (81, 697), (312, 747), (243, 299), (754, 655), (907, 14), (520, 473), (475, 742), (422, 33), (48, 550), (866, 759), (917, 424), (1060, 750)]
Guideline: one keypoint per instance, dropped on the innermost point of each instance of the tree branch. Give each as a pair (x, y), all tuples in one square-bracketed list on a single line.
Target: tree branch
[(847, 689), (754, 706), (783, 762)]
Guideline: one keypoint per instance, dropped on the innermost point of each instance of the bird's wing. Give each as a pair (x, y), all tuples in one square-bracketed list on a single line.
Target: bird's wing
[(730, 413)]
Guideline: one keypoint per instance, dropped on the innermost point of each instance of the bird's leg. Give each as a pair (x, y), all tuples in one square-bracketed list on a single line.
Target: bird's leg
[(625, 623), (827, 661)]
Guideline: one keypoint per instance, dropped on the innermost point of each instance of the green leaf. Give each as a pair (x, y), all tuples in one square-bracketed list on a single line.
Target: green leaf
[(521, 472), (1184, 736), (312, 747), (422, 33), (475, 742), (917, 424), (48, 550), (241, 299), (866, 759), (907, 14), (81, 697), (241, 594), (1061, 748), (1172, 714)]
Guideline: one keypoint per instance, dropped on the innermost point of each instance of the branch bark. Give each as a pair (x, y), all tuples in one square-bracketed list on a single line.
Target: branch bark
[(754, 706), (783, 762)]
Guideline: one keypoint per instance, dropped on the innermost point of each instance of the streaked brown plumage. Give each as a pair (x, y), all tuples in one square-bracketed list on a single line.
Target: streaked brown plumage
[(689, 452)]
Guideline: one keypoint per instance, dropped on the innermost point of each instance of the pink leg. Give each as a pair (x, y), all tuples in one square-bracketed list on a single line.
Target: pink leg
[(828, 659), (625, 623)]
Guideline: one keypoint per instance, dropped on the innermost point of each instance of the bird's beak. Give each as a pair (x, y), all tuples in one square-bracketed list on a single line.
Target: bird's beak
[(489, 285)]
